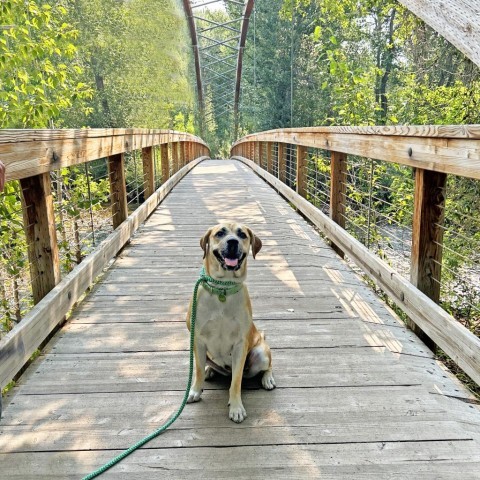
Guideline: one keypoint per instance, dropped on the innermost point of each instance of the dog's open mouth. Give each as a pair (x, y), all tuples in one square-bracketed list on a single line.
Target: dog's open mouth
[(230, 262)]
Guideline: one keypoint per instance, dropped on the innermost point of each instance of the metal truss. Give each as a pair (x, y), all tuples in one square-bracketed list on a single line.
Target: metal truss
[(218, 51)]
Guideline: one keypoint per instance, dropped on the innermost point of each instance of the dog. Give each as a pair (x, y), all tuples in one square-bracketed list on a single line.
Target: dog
[(226, 339)]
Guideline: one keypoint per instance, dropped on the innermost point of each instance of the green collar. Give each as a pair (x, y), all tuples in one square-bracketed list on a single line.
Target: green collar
[(227, 288)]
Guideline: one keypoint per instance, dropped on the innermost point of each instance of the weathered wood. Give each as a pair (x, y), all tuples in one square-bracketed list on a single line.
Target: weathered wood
[(427, 236), (456, 340), (358, 395), (458, 155), (456, 20), (281, 162), (269, 156), (30, 152), (165, 162), (301, 174), (17, 346), (41, 236), (118, 188), (338, 189), (148, 171)]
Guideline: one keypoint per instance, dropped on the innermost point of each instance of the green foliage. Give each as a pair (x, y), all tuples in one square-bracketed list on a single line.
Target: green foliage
[(39, 70)]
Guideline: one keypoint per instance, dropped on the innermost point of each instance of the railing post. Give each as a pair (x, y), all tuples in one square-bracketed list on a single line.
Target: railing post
[(338, 180), (301, 177), (175, 157), (260, 154), (165, 162), (118, 188), (281, 162), (182, 154), (427, 237), (269, 157), (41, 236), (148, 171)]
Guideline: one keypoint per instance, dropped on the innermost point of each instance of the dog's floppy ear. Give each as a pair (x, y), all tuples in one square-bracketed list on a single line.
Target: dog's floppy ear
[(255, 242), (205, 242)]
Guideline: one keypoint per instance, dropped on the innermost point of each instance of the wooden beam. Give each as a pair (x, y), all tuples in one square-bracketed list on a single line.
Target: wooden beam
[(338, 180), (118, 188), (269, 157), (41, 236), (282, 164), (456, 20), (31, 152), (458, 156), (17, 346), (427, 237), (301, 174), (165, 162), (454, 339), (148, 171)]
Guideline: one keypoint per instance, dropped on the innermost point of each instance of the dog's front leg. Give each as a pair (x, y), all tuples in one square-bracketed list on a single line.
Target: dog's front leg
[(239, 354), (200, 352)]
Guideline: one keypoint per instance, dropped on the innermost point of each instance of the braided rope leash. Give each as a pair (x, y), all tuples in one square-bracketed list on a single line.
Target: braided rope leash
[(205, 279)]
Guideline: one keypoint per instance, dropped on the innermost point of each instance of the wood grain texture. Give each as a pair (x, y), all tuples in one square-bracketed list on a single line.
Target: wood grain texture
[(359, 396), (455, 154), (31, 152), (41, 235), (456, 340), (456, 20), (19, 344)]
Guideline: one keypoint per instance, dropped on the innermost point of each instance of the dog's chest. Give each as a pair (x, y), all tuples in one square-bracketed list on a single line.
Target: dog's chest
[(221, 325)]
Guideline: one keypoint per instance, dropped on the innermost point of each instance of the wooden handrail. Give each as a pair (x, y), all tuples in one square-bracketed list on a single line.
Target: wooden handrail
[(434, 152), (30, 156)]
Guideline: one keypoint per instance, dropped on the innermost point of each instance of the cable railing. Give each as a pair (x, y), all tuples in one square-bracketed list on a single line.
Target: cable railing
[(73, 198), (403, 204)]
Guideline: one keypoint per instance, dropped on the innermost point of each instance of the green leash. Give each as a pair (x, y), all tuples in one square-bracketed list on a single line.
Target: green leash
[(229, 288)]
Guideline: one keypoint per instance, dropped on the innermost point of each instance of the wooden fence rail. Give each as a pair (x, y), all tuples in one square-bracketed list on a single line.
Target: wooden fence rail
[(30, 156), (434, 152)]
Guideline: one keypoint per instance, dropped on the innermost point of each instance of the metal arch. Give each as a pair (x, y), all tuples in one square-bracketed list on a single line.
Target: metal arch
[(196, 53), (243, 37), (216, 45)]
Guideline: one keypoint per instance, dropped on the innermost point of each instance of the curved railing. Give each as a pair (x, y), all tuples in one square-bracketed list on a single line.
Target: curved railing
[(323, 173), (65, 179)]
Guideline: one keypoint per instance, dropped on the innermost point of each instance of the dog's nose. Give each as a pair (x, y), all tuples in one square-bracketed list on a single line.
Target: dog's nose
[(232, 245)]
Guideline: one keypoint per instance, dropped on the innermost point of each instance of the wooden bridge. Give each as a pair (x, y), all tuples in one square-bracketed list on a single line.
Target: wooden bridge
[(359, 395)]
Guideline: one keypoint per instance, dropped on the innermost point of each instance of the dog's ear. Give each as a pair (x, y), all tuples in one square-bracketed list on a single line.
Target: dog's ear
[(205, 242), (255, 242)]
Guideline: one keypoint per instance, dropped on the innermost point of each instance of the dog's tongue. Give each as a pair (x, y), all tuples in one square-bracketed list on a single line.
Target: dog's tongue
[(231, 262)]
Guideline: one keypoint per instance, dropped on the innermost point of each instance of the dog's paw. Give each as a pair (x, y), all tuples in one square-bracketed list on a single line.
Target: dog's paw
[(209, 373), (194, 396), (237, 413), (268, 382)]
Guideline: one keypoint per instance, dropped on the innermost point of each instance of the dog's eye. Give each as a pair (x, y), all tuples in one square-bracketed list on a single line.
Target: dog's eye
[(220, 234), (242, 235)]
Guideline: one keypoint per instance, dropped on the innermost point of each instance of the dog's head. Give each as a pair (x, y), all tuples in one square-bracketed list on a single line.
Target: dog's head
[(225, 249)]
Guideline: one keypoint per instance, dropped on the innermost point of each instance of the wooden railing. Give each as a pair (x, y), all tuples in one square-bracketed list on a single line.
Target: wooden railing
[(30, 156), (434, 152)]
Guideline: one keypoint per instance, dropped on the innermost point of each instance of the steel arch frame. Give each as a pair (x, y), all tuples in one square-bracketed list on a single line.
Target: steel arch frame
[(205, 75)]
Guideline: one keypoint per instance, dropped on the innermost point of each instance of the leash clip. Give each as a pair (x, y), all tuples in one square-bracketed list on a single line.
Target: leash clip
[(223, 296)]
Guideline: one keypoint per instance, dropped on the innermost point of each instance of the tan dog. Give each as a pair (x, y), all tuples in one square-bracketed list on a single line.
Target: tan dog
[(225, 337)]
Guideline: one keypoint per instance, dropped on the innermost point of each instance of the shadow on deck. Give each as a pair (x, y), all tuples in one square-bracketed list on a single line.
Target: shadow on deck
[(359, 396)]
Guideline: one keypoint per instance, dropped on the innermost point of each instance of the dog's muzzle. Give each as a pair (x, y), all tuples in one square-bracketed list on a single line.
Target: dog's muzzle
[(231, 255)]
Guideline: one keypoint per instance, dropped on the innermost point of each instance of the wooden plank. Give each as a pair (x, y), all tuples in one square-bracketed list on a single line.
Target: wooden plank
[(165, 162), (118, 189), (148, 171), (41, 235), (281, 162), (32, 152), (301, 174), (455, 156), (427, 237), (18, 345), (376, 460), (338, 189), (457, 341), (456, 20)]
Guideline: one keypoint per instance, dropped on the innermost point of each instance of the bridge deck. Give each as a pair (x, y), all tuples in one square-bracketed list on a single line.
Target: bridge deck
[(358, 395)]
